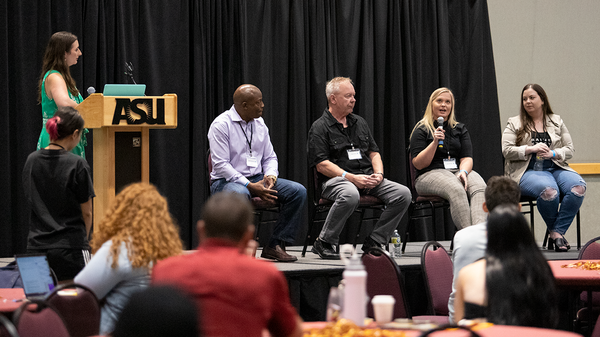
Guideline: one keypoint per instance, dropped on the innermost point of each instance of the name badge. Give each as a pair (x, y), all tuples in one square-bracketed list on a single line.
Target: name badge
[(354, 154), (450, 164), (251, 161)]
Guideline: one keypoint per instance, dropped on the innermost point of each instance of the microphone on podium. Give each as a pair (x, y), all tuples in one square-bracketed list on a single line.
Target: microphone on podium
[(440, 121), (129, 70), (91, 90)]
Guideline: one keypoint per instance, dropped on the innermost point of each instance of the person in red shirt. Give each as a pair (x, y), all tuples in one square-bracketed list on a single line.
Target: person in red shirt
[(238, 295)]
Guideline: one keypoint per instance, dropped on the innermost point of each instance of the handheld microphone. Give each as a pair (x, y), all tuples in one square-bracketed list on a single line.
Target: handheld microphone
[(91, 90), (440, 121)]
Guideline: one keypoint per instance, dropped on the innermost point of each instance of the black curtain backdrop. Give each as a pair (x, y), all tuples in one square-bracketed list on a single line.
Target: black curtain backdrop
[(396, 51)]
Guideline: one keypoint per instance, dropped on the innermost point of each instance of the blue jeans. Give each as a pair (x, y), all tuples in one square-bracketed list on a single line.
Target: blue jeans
[(290, 195), (543, 185)]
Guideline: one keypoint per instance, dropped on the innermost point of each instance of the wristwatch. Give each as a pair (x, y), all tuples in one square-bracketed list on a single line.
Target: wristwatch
[(272, 176)]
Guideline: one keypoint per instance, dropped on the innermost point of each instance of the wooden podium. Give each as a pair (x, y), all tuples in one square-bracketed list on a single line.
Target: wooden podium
[(121, 140)]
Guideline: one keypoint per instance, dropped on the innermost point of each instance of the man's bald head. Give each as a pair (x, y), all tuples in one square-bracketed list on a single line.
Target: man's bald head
[(244, 93), (248, 102)]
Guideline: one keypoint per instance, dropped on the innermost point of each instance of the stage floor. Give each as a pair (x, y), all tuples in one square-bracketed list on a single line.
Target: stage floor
[(411, 257)]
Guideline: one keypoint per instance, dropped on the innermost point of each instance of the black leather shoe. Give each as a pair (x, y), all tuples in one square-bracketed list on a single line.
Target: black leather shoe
[(369, 242), (278, 253), (324, 250)]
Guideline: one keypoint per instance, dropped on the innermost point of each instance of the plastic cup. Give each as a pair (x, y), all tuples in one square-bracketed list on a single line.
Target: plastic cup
[(383, 307)]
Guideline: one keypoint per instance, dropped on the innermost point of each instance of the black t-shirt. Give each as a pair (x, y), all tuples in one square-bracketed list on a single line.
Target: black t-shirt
[(329, 140), (541, 137), (457, 142), (56, 182)]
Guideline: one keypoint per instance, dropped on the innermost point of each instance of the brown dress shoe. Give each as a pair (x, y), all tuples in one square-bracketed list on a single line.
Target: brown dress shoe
[(278, 254)]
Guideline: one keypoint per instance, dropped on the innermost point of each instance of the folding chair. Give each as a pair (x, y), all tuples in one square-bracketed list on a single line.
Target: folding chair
[(7, 328), (38, 319), (437, 271), (590, 300), (79, 309)]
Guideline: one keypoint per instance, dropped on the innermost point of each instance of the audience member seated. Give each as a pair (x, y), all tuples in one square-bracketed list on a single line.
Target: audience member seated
[(342, 148), (59, 191), (443, 157), (158, 312), (536, 145), (136, 232), (245, 162), (239, 295), (470, 242), (513, 283)]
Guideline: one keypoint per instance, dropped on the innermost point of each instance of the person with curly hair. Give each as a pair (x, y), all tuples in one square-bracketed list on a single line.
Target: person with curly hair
[(136, 232), (56, 86)]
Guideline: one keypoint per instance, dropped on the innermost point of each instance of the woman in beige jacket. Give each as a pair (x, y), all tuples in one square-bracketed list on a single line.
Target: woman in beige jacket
[(536, 145)]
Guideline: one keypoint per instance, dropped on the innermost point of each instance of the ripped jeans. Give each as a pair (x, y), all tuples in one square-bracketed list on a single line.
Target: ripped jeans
[(545, 185)]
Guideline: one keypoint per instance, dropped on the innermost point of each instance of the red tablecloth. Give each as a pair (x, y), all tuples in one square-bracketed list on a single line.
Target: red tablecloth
[(574, 278), (8, 297)]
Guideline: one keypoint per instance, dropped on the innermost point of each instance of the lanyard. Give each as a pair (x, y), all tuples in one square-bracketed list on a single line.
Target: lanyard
[(251, 136), (57, 145)]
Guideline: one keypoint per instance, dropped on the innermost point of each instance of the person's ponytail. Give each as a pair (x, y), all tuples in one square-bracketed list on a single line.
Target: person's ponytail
[(52, 127), (65, 122)]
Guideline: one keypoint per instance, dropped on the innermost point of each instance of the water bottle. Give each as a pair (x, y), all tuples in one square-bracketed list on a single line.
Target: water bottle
[(396, 245), (334, 304), (354, 306), (538, 165)]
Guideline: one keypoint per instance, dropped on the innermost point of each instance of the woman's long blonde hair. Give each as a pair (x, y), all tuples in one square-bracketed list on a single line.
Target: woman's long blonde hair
[(140, 218), (427, 120)]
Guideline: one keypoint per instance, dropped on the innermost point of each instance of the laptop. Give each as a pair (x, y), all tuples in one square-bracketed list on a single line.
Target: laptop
[(36, 275), (124, 90)]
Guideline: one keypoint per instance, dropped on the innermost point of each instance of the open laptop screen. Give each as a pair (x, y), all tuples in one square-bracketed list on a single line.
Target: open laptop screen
[(35, 274)]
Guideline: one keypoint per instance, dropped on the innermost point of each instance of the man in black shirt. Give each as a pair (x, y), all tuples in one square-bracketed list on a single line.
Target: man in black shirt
[(341, 147)]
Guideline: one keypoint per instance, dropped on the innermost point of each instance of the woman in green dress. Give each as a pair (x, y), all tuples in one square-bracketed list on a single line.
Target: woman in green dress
[(56, 86)]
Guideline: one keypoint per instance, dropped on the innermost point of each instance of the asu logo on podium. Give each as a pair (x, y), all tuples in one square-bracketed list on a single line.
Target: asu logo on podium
[(139, 111)]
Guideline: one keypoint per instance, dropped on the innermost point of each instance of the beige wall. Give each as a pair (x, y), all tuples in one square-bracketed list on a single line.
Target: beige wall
[(555, 43)]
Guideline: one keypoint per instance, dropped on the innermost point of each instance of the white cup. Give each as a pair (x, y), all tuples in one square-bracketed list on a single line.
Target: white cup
[(383, 307)]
